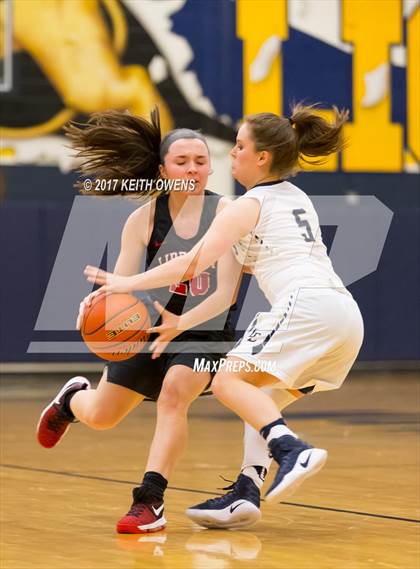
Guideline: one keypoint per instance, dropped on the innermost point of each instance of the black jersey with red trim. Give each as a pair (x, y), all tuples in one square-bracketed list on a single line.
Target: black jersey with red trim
[(165, 244)]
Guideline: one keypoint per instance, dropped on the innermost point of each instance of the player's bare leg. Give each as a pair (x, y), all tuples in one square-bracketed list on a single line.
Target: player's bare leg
[(104, 407), (180, 387), (100, 408)]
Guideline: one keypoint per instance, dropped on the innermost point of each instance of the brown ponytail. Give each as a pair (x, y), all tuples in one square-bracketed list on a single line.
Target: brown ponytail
[(291, 140), (316, 136), (116, 146)]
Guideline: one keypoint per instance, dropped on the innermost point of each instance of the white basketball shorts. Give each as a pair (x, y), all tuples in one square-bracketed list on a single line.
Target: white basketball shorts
[(311, 337)]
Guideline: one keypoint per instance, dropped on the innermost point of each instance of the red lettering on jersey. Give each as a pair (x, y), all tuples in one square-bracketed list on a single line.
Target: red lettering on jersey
[(180, 288), (200, 284)]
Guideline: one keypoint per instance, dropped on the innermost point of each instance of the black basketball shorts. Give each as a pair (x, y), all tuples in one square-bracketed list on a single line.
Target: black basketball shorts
[(145, 376)]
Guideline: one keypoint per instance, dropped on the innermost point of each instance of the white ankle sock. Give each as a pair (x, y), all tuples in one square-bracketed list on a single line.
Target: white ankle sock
[(256, 473), (279, 431)]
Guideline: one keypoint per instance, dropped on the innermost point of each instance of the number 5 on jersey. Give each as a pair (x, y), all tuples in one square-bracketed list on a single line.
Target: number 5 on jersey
[(308, 235)]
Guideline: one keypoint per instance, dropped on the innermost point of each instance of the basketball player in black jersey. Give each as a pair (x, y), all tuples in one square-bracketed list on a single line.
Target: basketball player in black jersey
[(165, 243), (167, 226)]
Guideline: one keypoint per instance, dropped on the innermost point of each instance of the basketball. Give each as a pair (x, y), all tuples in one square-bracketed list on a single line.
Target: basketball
[(114, 326)]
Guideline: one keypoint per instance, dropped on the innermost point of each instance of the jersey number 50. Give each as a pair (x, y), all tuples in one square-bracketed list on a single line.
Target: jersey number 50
[(199, 286)]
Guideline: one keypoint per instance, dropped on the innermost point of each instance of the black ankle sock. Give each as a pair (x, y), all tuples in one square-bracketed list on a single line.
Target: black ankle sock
[(66, 404), (265, 431), (155, 485)]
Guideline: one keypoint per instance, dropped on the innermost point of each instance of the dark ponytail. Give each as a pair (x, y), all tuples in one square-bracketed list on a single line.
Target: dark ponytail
[(116, 145), (301, 137)]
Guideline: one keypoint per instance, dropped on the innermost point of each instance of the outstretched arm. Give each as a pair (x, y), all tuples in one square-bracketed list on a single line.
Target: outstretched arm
[(229, 273), (234, 222)]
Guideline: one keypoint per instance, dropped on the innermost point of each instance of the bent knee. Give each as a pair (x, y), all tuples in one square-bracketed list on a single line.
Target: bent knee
[(176, 395), (218, 385), (173, 400)]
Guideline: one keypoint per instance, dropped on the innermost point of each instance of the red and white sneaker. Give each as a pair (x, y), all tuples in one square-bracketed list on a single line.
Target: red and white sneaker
[(142, 517), (55, 421)]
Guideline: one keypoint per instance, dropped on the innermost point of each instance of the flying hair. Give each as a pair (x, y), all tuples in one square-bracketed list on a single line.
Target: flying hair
[(304, 136)]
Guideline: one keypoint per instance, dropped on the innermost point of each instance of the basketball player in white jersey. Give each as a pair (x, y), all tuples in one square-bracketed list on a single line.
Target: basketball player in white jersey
[(310, 338)]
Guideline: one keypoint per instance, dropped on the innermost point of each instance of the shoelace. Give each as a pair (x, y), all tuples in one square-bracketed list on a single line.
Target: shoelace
[(223, 499), (226, 497), (232, 484), (237, 491)]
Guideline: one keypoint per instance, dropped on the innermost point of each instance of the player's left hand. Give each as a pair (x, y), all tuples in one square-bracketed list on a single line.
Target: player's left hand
[(110, 283), (167, 330)]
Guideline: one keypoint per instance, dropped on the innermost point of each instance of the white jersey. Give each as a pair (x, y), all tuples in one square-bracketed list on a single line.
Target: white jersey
[(285, 250)]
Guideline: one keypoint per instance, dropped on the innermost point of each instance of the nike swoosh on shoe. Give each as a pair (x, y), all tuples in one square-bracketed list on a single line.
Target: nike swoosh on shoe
[(233, 508), (305, 464), (157, 511)]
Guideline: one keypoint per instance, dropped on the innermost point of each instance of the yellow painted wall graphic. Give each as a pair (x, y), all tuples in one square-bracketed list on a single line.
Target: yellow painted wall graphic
[(375, 143), (372, 27), (262, 25), (78, 45)]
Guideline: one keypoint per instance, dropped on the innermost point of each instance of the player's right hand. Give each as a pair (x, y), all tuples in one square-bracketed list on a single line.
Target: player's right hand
[(167, 330), (86, 302)]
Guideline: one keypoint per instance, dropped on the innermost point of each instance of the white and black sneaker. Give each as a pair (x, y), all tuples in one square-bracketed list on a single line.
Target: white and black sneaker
[(297, 461), (238, 508)]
